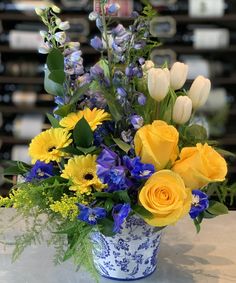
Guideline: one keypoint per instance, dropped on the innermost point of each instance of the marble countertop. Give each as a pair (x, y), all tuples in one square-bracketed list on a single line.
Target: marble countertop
[(185, 257)]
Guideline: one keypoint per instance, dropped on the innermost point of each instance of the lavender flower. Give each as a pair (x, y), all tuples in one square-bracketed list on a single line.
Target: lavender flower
[(119, 213), (141, 99), (40, 171), (113, 8), (200, 203), (91, 215)]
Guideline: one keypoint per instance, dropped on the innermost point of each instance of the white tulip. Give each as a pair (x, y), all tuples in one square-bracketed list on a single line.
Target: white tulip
[(199, 91), (178, 75), (148, 65), (182, 110), (158, 83)]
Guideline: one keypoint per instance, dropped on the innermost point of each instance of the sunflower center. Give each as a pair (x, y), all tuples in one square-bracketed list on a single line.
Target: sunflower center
[(88, 176)]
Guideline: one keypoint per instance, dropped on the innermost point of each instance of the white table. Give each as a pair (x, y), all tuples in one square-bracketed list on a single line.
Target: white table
[(185, 257)]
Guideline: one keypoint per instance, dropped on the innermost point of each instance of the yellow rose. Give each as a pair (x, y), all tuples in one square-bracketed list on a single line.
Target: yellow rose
[(200, 165), (166, 197), (157, 144)]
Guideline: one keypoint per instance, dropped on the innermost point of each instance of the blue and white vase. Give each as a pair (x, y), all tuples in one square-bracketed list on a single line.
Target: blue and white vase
[(129, 255)]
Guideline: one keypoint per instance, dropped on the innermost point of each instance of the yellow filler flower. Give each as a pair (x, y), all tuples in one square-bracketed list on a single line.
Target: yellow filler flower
[(46, 146), (94, 117), (81, 170)]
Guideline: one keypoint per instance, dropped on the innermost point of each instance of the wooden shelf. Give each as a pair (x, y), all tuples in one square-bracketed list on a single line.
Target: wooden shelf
[(13, 140), (188, 19), (21, 80), (185, 49), (25, 109)]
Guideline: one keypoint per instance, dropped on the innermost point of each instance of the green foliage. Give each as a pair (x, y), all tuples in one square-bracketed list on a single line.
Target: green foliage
[(54, 122), (65, 110), (16, 168), (82, 134), (216, 208), (122, 145), (55, 60), (52, 87), (141, 211)]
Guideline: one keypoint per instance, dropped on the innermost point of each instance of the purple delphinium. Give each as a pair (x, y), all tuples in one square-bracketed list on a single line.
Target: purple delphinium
[(137, 169), (91, 215), (97, 44), (119, 213), (200, 203), (111, 172), (97, 73), (136, 121), (141, 99), (40, 171), (113, 9)]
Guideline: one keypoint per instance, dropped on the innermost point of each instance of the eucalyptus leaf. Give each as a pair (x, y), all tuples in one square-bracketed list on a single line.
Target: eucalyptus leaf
[(140, 210), (122, 196), (86, 150), (106, 227), (64, 110), (196, 132)]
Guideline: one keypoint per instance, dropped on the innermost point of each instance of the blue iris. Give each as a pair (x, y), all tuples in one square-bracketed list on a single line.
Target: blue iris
[(200, 203), (119, 213), (91, 215), (40, 171)]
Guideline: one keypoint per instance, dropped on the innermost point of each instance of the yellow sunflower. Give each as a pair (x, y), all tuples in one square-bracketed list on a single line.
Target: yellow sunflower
[(45, 147), (81, 170), (94, 117)]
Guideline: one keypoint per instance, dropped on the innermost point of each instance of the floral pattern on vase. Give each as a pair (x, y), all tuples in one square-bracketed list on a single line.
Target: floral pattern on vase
[(130, 254)]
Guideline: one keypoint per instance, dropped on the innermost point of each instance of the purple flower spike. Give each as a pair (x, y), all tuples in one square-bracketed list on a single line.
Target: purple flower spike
[(200, 203), (97, 44), (91, 215), (121, 92), (119, 213)]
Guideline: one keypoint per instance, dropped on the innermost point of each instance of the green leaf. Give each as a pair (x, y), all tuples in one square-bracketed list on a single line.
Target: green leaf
[(71, 150), (103, 195), (83, 134), (64, 110), (196, 132), (54, 122), (106, 227), (17, 168), (140, 210), (109, 203), (58, 76), (79, 93), (104, 65), (123, 196), (55, 60), (217, 208), (51, 87), (86, 150), (122, 145), (208, 215), (197, 225)]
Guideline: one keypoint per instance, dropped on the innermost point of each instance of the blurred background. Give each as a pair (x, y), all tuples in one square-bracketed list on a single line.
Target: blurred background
[(201, 33)]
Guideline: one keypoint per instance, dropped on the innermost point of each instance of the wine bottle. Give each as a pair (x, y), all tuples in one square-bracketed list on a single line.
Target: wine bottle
[(14, 152), (18, 39), (163, 27), (79, 29), (210, 69), (195, 8), (163, 56), (28, 6), (203, 37), (5, 151), (126, 7)]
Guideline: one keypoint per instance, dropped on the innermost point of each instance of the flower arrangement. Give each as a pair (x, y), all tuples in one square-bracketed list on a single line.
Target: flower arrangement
[(122, 141)]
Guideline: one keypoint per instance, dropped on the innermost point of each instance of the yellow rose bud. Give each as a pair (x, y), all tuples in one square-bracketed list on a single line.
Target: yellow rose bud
[(166, 197), (158, 83), (157, 144), (200, 165), (199, 91), (182, 110), (178, 75)]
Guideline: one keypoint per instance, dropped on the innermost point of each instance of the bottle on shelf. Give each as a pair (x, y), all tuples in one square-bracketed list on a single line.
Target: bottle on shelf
[(207, 68), (14, 152), (126, 7), (194, 8), (22, 68), (24, 6), (20, 39), (163, 56), (163, 27)]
